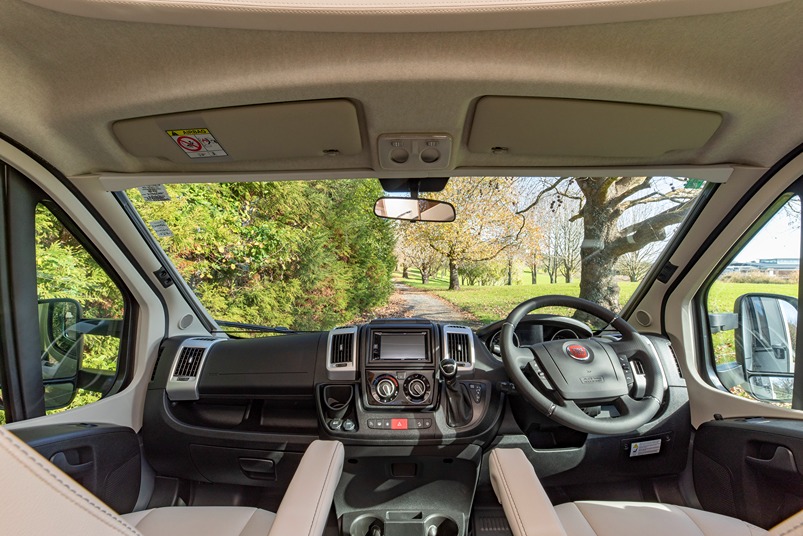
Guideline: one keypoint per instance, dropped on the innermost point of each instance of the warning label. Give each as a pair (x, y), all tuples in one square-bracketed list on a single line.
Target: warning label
[(645, 448), (161, 229), (197, 142), (154, 192)]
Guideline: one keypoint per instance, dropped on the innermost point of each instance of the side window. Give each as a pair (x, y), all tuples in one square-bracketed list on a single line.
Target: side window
[(80, 318), (752, 311)]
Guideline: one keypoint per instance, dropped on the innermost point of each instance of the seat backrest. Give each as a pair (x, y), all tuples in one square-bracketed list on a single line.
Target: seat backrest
[(38, 498), (308, 500)]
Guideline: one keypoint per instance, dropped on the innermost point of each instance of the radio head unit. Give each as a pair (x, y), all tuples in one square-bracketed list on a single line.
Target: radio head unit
[(400, 346)]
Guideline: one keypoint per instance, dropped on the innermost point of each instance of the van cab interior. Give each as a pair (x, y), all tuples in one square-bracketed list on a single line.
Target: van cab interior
[(209, 217)]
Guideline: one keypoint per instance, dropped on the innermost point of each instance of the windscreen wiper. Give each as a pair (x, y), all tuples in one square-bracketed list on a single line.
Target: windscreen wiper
[(242, 327)]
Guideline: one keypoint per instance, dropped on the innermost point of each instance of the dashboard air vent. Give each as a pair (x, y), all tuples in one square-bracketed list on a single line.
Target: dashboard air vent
[(188, 362), (341, 348), (458, 344), (341, 354), (187, 367)]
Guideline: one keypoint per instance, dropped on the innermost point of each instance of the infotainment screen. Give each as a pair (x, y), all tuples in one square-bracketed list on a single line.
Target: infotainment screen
[(400, 346)]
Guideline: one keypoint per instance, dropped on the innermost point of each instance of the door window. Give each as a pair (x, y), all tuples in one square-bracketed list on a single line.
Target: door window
[(80, 317), (753, 310)]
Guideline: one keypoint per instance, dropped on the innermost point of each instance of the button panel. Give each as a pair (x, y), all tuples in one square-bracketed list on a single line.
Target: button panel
[(475, 390), (399, 423)]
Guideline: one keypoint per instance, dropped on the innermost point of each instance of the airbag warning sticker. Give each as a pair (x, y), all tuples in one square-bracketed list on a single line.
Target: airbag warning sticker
[(197, 142), (643, 448)]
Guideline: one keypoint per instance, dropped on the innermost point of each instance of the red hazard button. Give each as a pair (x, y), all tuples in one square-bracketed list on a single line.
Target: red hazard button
[(398, 424)]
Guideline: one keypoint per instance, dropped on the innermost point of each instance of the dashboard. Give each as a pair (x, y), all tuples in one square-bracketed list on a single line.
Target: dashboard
[(213, 402)]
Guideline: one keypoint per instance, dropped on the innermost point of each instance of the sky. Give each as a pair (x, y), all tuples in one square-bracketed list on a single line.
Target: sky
[(780, 238)]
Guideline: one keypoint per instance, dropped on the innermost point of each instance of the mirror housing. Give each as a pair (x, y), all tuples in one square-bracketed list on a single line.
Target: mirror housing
[(62, 349), (765, 339), (409, 209)]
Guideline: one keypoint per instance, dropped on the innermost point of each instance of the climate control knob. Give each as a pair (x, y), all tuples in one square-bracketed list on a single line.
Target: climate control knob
[(416, 387), (387, 387)]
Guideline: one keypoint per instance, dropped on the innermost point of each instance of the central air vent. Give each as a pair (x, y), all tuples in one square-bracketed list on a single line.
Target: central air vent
[(187, 366), (341, 354), (458, 344)]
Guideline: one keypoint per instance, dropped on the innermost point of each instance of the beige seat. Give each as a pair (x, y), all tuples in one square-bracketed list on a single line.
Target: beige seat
[(39, 499), (530, 512)]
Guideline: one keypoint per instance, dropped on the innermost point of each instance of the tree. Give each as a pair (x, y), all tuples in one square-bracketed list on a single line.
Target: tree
[(602, 203), (415, 249), (635, 264), (531, 248), (560, 239), (486, 224)]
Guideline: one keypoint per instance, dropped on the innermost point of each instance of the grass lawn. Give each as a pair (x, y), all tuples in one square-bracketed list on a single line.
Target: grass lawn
[(492, 303)]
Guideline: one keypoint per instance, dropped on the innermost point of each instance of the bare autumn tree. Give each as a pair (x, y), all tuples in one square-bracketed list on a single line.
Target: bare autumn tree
[(416, 251), (487, 222), (602, 203), (531, 248)]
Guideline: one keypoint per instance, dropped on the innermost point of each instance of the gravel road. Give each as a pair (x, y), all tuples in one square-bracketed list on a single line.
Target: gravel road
[(419, 303)]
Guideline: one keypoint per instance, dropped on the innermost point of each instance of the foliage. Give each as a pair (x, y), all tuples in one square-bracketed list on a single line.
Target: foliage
[(486, 222), (64, 269), (308, 255)]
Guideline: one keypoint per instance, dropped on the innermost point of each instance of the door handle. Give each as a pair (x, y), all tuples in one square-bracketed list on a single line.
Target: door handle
[(782, 461), (59, 459)]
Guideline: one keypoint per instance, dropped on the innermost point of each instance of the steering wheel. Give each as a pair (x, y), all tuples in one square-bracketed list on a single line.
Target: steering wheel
[(587, 372)]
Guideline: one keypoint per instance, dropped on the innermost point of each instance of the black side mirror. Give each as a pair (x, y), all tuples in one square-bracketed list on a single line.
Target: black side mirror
[(62, 349), (766, 336)]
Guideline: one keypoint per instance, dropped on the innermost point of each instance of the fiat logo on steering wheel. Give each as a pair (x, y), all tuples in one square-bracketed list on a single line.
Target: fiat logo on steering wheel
[(577, 351)]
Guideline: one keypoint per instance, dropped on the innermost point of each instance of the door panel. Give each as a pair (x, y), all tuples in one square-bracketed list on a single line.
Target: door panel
[(750, 468), (103, 458)]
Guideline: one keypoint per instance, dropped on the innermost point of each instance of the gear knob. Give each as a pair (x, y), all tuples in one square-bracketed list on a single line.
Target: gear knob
[(448, 369)]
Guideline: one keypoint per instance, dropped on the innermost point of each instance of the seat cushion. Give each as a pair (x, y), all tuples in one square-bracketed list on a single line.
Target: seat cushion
[(599, 518), (202, 521)]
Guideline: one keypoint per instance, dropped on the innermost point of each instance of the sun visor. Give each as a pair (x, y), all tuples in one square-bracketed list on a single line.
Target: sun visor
[(565, 127), (259, 132)]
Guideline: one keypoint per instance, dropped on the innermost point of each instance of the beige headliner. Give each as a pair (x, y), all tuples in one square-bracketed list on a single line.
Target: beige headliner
[(64, 80)]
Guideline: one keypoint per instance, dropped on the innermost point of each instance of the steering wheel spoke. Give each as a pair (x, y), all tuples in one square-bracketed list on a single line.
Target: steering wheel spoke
[(523, 355)]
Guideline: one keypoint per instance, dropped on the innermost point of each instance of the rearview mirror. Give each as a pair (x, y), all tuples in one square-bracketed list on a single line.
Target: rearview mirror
[(765, 344), (405, 208)]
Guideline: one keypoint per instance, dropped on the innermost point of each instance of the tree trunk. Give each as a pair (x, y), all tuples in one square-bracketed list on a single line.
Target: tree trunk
[(404, 271), (598, 283), (534, 274), (454, 276), (510, 271), (424, 275), (568, 277)]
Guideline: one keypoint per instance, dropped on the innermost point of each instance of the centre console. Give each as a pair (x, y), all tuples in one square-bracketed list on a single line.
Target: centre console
[(399, 366)]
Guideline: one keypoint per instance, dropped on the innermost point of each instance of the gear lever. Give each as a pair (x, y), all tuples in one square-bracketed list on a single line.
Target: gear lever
[(458, 400)]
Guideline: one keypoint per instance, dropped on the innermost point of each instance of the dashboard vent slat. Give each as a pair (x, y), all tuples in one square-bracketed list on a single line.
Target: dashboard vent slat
[(341, 354), (341, 348), (458, 344), (458, 347), (188, 362), (187, 367)]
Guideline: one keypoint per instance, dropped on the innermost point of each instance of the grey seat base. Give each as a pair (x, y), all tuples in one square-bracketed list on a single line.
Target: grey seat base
[(530, 513), (200, 521), (601, 518)]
